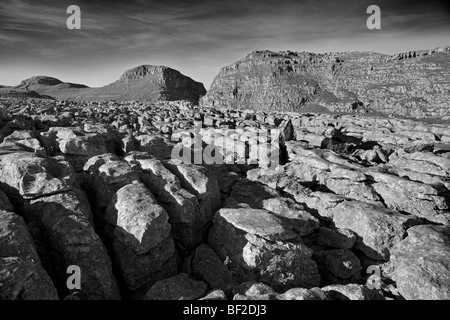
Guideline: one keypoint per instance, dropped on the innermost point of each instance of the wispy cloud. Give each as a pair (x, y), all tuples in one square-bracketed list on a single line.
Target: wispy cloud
[(200, 36)]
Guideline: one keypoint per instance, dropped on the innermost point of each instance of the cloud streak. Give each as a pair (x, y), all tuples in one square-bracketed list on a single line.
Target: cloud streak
[(198, 37)]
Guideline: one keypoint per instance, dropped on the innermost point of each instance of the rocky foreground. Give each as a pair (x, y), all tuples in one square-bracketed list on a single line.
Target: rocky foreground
[(358, 207)]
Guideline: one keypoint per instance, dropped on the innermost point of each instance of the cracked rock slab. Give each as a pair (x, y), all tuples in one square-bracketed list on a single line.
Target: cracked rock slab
[(422, 263)]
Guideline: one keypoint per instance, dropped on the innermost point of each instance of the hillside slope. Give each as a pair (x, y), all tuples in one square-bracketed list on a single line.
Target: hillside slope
[(146, 82)]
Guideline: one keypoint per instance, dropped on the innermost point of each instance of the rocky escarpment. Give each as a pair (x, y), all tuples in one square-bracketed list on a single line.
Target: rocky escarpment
[(151, 83), (9, 92), (336, 207), (143, 83), (413, 84)]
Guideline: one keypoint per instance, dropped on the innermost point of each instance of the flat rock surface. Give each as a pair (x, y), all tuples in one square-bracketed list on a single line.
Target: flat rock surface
[(257, 222), (421, 263)]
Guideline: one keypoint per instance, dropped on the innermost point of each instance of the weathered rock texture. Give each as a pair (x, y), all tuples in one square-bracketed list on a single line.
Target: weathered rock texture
[(414, 84), (354, 208)]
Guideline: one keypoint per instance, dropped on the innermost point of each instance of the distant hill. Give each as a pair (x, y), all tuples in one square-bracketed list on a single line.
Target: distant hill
[(9, 92), (148, 83), (51, 87), (141, 83)]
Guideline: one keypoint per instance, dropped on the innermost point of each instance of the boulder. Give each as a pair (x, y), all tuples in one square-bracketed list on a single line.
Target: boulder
[(207, 266), (142, 244), (352, 292), (22, 276), (139, 221), (74, 141), (252, 290), (179, 287), (259, 196), (339, 263), (65, 221), (377, 229), (413, 197), (303, 294), (188, 222), (260, 247), (27, 176), (215, 295), (154, 145), (199, 182), (422, 263)]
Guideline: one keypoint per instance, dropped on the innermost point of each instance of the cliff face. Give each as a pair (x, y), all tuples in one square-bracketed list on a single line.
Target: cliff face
[(267, 80), (415, 84)]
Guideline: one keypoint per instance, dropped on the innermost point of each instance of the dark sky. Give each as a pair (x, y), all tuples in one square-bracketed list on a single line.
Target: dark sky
[(199, 37)]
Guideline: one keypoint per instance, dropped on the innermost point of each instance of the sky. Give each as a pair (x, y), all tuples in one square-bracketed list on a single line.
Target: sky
[(198, 37)]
